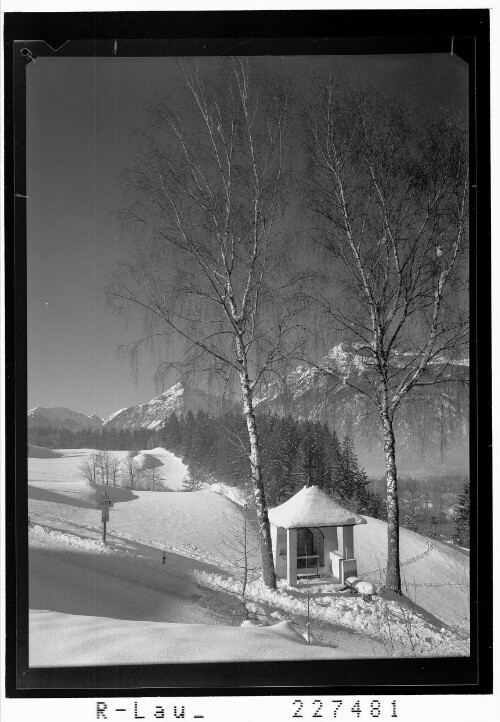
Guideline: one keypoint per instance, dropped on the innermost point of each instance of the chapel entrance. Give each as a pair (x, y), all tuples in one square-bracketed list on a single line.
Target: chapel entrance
[(310, 551)]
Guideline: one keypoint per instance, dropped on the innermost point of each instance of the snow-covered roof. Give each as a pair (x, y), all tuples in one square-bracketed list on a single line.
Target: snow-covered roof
[(312, 507)]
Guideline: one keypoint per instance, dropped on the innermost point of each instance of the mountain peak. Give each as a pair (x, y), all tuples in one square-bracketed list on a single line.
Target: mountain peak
[(152, 415)]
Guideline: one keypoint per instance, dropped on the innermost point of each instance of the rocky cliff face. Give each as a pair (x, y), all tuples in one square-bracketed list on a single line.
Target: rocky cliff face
[(153, 414), (431, 426)]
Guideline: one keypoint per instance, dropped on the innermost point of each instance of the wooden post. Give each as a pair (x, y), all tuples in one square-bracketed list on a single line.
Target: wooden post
[(104, 503)]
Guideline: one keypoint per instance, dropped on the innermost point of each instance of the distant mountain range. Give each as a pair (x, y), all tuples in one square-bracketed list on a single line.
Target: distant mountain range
[(431, 433), (61, 418)]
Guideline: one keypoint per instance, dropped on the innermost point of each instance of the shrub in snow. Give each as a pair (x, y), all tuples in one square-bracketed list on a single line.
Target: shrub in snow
[(192, 483), (255, 608)]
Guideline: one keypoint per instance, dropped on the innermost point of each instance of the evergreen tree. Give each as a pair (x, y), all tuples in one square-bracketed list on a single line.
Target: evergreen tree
[(462, 519), (172, 434), (187, 434), (353, 482), (290, 441), (333, 453), (375, 506), (199, 455), (230, 450), (278, 451)]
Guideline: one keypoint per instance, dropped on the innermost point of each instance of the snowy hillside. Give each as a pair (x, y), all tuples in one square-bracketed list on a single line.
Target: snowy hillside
[(61, 418), (89, 603), (172, 471), (153, 414)]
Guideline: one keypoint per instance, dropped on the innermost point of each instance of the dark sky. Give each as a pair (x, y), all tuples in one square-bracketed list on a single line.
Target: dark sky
[(80, 116)]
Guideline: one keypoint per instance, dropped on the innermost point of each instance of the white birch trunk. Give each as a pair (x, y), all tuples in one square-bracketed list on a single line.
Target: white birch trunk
[(393, 574), (268, 572)]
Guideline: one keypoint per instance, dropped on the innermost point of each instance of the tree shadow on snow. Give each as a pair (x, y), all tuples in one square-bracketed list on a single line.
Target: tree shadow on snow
[(39, 494), (99, 585), (116, 493), (87, 502)]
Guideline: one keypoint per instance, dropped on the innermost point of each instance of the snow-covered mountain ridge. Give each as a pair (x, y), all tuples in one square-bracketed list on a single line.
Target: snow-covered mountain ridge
[(153, 414), (351, 363), (62, 418)]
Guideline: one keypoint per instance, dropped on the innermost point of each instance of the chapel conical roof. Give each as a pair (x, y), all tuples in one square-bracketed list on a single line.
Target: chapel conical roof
[(312, 507)]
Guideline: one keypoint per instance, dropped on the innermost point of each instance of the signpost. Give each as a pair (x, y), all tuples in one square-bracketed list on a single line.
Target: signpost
[(104, 504)]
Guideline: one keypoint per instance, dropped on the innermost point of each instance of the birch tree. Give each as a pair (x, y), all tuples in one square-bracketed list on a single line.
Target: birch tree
[(210, 190), (390, 196), (89, 468)]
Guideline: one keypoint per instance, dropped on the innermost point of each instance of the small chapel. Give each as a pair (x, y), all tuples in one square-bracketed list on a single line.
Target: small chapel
[(312, 536)]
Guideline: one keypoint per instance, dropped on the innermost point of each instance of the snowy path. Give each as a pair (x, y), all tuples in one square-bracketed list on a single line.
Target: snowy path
[(404, 562)]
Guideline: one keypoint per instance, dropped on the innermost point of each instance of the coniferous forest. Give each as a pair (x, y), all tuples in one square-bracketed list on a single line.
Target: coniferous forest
[(294, 454)]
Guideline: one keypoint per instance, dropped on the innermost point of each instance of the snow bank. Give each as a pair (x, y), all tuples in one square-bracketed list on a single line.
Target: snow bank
[(46, 535), (92, 641)]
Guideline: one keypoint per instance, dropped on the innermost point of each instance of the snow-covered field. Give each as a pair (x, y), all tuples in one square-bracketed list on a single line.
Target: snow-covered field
[(161, 589)]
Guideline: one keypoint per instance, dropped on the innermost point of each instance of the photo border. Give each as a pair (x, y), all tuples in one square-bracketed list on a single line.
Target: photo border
[(464, 32)]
